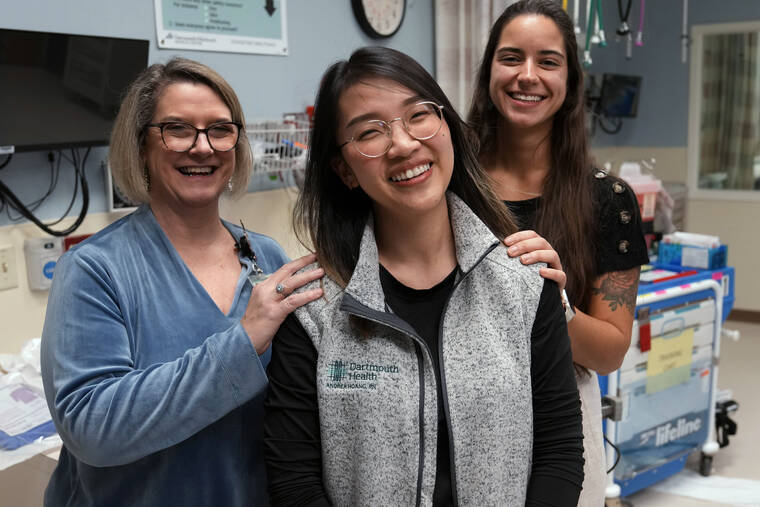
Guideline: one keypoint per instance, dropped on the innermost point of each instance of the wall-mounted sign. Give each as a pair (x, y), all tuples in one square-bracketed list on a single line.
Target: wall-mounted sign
[(235, 26)]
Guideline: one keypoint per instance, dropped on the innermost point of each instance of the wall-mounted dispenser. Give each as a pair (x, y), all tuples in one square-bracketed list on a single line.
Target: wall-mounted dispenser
[(41, 256)]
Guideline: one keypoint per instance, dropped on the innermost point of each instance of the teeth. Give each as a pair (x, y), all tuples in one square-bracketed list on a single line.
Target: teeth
[(529, 98), (196, 170), (411, 173)]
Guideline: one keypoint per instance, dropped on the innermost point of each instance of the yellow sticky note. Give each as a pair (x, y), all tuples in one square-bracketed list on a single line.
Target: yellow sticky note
[(669, 361)]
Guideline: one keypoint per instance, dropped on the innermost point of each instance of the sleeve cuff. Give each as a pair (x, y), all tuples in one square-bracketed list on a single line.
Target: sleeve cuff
[(242, 365)]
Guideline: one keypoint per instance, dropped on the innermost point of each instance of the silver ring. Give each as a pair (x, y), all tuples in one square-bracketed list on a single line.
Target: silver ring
[(280, 289)]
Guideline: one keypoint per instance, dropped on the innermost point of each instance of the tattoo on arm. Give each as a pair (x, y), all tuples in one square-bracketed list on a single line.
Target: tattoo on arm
[(619, 288)]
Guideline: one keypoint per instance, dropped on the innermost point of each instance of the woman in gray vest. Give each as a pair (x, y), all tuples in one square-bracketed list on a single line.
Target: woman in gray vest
[(436, 370)]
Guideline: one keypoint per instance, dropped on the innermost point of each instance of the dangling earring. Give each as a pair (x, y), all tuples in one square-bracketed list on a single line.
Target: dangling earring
[(146, 178), (229, 185)]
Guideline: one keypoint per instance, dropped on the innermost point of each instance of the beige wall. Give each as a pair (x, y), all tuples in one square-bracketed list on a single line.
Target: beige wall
[(22, 312), (737, 223)]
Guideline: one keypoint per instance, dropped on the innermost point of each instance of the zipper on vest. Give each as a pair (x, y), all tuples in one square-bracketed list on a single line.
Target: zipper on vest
[(421, 417), (419, 344), (354, 307), (444, 391)]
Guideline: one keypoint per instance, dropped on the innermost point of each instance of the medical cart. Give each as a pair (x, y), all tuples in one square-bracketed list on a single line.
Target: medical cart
[(666, 406)]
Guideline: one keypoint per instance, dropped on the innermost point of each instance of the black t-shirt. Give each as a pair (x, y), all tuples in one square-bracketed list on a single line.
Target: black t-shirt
[(292, 439), (422, 309), (618, 238)]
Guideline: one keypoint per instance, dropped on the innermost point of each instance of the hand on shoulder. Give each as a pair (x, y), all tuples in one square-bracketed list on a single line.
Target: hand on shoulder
[(276, 297), (533, 248)]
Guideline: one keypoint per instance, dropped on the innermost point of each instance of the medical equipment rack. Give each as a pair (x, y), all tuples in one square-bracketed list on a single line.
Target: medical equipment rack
[(278, 145), (657, 431)]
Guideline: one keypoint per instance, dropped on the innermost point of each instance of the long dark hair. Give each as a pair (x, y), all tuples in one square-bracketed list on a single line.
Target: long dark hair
[(329, 217), (564, 217)]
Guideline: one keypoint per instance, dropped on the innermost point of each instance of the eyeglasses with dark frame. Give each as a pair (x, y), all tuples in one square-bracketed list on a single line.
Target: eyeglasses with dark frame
[(373, 138), (180, 137)]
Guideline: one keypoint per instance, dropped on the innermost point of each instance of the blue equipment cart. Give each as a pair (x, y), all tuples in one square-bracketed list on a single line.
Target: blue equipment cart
[(667, 398)]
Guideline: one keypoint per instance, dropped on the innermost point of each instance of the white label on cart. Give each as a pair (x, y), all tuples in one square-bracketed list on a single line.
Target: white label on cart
[(726, 286), (705, 374), (695, 257)]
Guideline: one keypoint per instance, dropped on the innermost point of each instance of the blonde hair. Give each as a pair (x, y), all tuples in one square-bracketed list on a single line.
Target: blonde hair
[(136, 111)]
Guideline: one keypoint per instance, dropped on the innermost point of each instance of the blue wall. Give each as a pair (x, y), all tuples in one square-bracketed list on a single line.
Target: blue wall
[(663, 111), (319, 32)]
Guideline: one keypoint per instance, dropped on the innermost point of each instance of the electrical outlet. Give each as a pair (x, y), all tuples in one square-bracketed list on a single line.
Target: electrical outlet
[(8, 271)]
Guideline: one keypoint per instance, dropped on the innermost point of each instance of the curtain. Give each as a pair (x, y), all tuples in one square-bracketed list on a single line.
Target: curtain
[(730, 115), (461, 33)]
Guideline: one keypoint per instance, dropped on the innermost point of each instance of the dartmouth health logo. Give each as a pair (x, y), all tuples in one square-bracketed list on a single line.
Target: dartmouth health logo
[(337, 371), (355, 375)]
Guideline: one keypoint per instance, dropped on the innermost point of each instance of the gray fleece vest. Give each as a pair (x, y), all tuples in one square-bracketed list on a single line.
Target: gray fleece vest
[(377, 390)]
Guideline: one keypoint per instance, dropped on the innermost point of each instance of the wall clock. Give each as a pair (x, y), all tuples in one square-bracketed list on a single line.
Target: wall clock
[(379, 18)]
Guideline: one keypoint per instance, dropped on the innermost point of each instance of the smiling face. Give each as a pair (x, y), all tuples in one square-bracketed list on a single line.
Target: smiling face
[(411, 178), (529, 72), (197, 177)]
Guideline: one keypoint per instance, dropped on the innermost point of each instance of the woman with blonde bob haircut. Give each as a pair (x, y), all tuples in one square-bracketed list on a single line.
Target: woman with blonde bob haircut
[(127, 166), (157, 331)]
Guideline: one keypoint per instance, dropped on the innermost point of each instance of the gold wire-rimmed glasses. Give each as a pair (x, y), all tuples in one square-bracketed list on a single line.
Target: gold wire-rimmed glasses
[(373, 138)]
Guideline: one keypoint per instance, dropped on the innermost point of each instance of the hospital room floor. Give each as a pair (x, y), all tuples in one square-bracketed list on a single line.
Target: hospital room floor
[(735, 479)]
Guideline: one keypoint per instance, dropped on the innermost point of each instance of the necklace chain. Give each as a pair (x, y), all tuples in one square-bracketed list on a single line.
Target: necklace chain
[(532, 194), (499, 180)]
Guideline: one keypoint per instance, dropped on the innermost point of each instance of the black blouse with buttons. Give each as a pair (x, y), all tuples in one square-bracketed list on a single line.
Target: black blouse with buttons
[(618, 238)]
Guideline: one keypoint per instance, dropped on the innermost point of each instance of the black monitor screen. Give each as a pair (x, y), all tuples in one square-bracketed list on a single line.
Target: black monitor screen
[(620, 95), (60, 90)]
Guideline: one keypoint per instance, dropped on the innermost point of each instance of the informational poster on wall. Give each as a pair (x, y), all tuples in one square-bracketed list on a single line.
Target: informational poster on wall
[(233, 26)]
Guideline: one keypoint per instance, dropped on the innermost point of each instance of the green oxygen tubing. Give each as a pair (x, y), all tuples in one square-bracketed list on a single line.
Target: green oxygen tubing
[(594, 29), (599, 25), (590, 24)]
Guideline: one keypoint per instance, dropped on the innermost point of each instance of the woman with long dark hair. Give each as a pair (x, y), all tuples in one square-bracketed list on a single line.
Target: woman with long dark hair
[(529, 113), (436, 370)]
